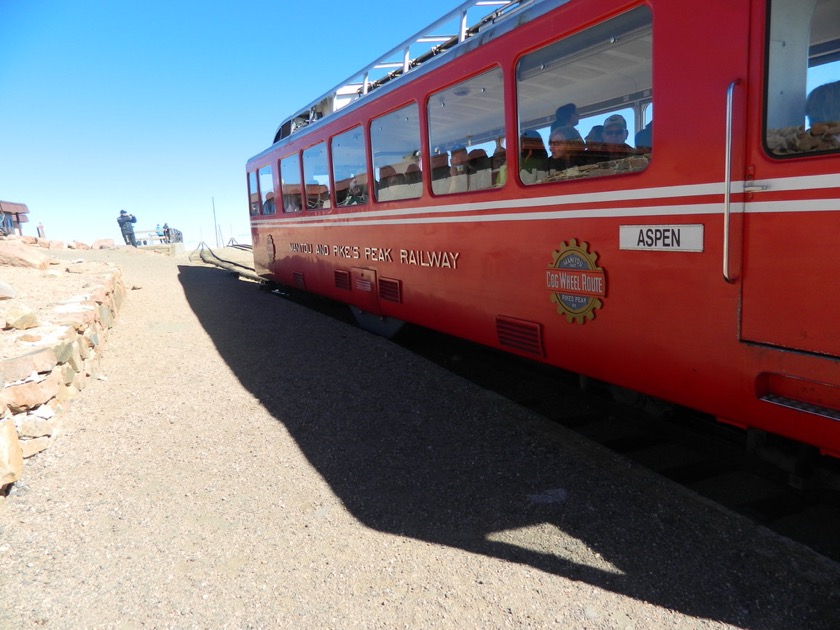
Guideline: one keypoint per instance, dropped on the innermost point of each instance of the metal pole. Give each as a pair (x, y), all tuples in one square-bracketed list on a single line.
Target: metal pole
[(215, 225)]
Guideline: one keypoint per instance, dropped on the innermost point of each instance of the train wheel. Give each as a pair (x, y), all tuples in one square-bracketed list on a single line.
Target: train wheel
[(383, 326)]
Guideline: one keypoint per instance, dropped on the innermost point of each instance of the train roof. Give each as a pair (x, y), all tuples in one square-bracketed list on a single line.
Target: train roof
[(488, 18)]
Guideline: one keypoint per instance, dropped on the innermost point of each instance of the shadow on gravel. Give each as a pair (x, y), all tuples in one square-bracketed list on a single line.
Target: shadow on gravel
[(414, 451)]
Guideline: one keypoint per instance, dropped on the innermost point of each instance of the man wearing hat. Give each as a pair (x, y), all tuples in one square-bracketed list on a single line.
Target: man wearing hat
[(615, 136), (125, 221)]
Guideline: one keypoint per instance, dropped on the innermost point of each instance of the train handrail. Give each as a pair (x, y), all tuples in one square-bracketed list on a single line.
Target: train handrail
[(727, 180), (360, 84)]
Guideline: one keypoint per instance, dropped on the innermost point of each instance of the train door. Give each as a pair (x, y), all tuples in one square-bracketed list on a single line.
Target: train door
[(791, 254)]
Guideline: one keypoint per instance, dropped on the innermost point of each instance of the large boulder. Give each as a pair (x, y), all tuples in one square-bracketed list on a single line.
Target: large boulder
[(17, 254)]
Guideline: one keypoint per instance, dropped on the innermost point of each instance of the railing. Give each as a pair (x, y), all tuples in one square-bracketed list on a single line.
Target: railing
[(146, 238), (399, 61)]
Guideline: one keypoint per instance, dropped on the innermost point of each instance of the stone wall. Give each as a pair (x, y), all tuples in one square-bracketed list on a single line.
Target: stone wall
[(56, 316)]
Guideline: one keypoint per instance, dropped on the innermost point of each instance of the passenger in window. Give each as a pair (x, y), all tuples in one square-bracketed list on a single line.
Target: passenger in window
[(413, 174), (459, 161), (268, 206), (532, 154), (498, 163), (615, 137), (566, 117), (459, 170), (644, 138), (567, 150), (440, 166), (596, 149), (355, 194), (823, 111), (480, 172), (595, 135)]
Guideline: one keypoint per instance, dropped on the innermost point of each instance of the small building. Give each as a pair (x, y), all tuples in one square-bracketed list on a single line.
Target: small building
[(11, 217)]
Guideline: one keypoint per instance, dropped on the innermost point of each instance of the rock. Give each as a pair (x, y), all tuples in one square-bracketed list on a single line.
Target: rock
[(57, 325), (29, 448), (31, 426), (18, 254), (88, 267), (103, 244), (11, 455), (29, 395), (21, 317), (16, 369)]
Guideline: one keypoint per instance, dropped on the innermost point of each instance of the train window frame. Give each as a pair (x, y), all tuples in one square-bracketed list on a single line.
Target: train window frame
[(289, 170), (395, 146), (265, 174), (469, 134), (552, 123), (799, 63), (316, 175), (253, 194), (349, 167)]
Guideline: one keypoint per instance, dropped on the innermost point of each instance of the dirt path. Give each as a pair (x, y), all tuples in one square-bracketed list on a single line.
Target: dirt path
[(249, 464)]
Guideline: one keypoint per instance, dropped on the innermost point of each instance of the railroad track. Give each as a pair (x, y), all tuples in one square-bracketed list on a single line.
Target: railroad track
[(795, 496)]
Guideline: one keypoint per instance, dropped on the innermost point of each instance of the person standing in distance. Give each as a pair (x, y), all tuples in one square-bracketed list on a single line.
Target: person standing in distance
[(125, 221)]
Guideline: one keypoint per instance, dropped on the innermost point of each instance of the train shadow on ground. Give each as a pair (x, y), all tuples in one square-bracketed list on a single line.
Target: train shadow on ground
[(413, 451)]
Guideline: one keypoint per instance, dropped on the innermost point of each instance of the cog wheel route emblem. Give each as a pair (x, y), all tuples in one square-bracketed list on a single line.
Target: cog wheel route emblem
[(576, 283), (270, 250)]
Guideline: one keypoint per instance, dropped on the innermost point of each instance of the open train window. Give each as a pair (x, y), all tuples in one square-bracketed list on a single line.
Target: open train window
[(803, 77), (585, 102), (395, 143), (466, 129)]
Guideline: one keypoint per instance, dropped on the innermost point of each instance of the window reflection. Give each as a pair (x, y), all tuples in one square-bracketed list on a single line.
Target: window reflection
[(395, 143)]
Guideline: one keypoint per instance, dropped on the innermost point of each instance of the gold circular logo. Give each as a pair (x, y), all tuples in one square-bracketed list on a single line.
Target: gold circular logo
[(576, 283)]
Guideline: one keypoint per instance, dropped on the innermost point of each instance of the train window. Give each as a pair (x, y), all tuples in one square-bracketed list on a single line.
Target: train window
[(395, 144), (317, 177), (290, 183), (253, 194), (599, 83), (349, 167), (267, 190), (803, 90), (466, 129)]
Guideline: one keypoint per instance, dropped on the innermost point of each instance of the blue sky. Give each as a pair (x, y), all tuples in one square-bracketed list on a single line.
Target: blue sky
[(155, 106)]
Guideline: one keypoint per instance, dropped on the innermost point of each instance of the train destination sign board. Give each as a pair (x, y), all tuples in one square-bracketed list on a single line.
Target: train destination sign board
[(661, 238)]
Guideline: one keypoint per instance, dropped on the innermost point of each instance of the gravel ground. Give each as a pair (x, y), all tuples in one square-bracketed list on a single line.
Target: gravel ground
[(247, 463)]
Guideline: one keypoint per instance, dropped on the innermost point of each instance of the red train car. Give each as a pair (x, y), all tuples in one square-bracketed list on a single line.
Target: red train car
[(506, 184)]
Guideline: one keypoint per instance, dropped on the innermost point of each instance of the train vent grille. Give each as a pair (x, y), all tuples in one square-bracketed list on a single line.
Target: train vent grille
[(390, 290), (342, 279), (363, 284), (520, 335), (297, 278)]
